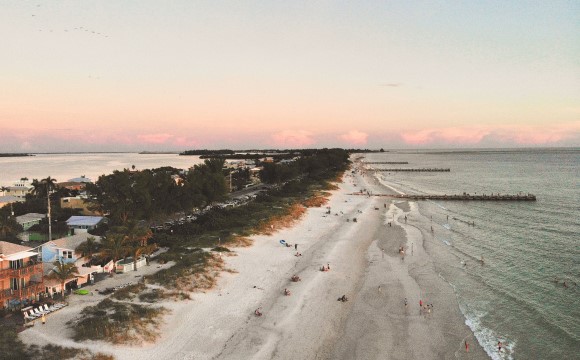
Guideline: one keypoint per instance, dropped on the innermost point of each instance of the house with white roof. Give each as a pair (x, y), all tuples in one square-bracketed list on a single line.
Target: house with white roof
[(85, 223)]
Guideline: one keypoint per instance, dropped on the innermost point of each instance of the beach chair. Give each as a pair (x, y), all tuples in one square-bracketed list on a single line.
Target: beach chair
[(30, 315), (35, 312), (41, 311), (47, 309)]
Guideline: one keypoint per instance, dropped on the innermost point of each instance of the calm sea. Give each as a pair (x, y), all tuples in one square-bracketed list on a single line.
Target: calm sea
[(63, 167), (530, 248)]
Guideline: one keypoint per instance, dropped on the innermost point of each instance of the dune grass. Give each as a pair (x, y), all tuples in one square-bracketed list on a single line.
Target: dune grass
[(118, 322), (11, 347)]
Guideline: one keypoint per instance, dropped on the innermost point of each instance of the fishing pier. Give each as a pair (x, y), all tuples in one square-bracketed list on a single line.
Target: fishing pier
[(462, 197), (416, 170)]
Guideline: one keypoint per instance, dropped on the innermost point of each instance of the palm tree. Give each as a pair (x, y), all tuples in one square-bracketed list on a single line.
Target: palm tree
[(89, 247), (45, 186), (63, 272), (136, 238), (115, 246)]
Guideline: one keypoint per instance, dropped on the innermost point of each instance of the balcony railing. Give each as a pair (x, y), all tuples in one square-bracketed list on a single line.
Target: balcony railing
[(29, 290), (35, 268)]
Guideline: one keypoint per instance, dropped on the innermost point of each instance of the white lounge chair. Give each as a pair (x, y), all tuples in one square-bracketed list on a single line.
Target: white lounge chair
[(30, 316), (41, 311), (47, 309)]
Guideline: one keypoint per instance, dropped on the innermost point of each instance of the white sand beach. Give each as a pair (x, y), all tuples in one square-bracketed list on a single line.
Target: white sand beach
[(365, 265)]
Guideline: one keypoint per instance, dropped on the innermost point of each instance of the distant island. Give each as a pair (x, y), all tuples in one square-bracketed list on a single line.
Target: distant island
[(157, 152), (15, 154), (257, 153)]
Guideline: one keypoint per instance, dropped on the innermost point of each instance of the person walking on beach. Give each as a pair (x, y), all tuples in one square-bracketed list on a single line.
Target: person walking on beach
[(406, 304), (43, 318), (499, 346), (466, 346), (295, 246)]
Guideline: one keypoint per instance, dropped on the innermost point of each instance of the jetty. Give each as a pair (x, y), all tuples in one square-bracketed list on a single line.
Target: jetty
[(388, 162), (416, 170), (464, 196)]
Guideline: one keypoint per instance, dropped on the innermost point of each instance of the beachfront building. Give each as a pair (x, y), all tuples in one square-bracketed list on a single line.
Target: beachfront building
[(19, 189), (85, 223), (64, 250), (21, 272)]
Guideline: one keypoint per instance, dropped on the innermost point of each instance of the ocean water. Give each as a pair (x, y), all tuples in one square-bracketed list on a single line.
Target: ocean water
[(529, 248), (63, 167)]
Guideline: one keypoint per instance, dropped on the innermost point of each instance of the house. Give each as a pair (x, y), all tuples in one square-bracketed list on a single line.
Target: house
[(19, 189), (85, 223), (21, 272), (78, 183), (64, 250), (29, 220)]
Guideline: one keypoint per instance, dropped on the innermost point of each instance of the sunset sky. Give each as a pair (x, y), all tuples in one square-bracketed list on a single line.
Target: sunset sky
[(175, 75)]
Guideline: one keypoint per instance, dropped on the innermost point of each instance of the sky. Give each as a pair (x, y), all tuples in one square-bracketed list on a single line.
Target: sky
[(175, 75)]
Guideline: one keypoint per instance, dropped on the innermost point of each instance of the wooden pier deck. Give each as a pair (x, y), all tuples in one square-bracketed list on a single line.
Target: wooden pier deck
[(464, 197), (416, 170)]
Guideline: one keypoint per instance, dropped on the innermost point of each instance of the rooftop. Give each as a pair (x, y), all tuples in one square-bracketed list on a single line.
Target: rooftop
[(81, 179), (71, 242), (29, 217), (7, 248), (84, 220)]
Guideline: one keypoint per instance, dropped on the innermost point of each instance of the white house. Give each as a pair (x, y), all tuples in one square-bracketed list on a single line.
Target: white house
[(85, 223)]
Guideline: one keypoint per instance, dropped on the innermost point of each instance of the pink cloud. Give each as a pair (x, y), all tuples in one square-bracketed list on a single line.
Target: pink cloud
[(293, 138), (506, 135), (448, 135), (355, 137), (154, 138)]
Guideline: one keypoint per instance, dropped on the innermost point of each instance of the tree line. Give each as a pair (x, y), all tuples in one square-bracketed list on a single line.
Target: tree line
[(315, 164), (134, 195)]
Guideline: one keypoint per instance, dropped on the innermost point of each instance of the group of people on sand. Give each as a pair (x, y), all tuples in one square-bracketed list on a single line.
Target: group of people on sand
[(423, 307), (325, 268)]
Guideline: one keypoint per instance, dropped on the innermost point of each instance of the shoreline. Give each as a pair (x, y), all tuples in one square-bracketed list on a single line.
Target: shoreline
[(311, 323)]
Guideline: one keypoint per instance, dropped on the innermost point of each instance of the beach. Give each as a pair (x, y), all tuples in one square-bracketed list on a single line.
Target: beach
[(365, 265)]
